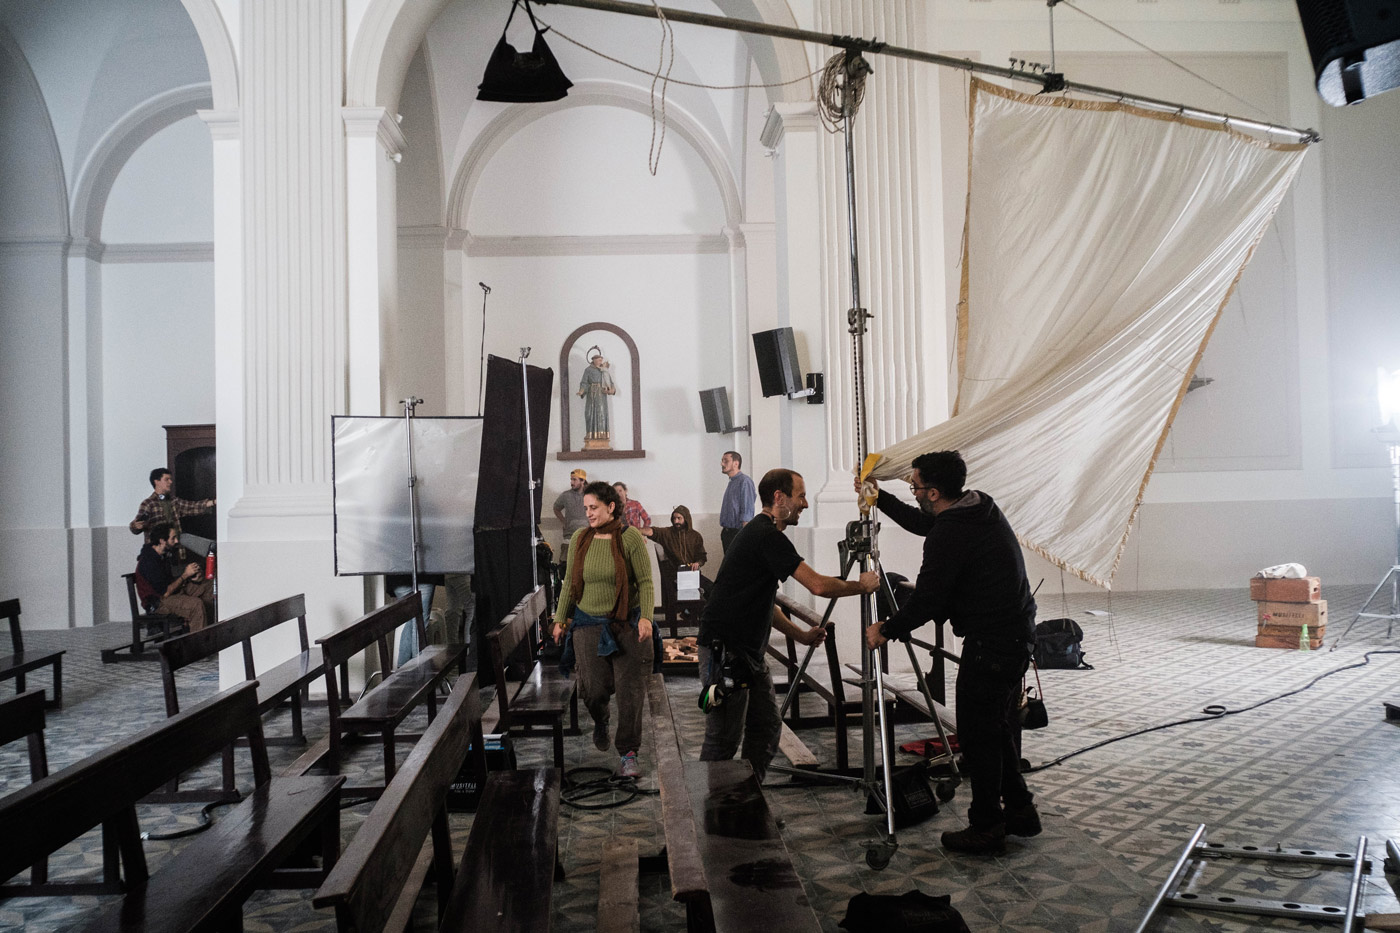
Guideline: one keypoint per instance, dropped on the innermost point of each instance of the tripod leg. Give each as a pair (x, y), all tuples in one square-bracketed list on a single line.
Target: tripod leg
[(878, 854), (945, 787), (812, 649)]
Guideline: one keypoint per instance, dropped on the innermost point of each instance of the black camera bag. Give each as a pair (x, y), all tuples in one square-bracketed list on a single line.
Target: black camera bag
[(1059, 644)]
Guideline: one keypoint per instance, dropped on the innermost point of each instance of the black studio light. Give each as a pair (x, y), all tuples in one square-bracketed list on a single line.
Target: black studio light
[(523, 77)]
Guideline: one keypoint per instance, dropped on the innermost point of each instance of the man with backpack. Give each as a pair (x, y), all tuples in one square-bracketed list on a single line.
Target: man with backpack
[(973, 575)]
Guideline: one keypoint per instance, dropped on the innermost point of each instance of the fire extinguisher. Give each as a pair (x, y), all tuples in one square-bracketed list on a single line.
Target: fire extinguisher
[(209, 568)]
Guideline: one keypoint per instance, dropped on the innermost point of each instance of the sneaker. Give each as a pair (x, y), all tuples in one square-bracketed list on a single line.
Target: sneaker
[(629, 767), (974, 841), (1023, 822), (600, 735)]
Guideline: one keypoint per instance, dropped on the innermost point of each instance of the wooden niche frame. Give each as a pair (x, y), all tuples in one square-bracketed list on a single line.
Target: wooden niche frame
[(566, 387)]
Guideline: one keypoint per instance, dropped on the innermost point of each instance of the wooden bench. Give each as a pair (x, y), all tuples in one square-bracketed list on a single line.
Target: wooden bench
[(287, 682), (544, 695), (384, 707), (15, 666), (144, 628), (22, 717), (506, 878), (725, 856), (205, 884), (376, 881)]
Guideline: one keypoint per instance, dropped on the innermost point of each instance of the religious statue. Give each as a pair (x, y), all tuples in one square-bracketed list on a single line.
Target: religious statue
[(594, 388)]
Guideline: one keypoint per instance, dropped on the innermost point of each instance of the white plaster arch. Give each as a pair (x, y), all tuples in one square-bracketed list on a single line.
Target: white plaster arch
[(585, 94), (117, 145), (45, 149), (219, 52), (392, 30)]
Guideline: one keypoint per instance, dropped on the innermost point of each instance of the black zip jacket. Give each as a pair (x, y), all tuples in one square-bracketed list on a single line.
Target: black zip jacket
[(973, 574)]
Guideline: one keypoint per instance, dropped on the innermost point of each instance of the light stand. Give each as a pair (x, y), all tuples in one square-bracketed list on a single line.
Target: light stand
[(409, 404), (1391, 436), (535, 538)]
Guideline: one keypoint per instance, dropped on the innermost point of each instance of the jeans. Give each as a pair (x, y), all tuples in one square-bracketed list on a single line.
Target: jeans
[(408, 634), (751, 713), (989, 729)]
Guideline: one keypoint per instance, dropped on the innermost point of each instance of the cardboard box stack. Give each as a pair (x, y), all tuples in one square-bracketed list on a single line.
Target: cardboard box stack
[(1285, 606)]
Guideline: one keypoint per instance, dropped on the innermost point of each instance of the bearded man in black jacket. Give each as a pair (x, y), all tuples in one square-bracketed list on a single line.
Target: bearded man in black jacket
[(974, 576)]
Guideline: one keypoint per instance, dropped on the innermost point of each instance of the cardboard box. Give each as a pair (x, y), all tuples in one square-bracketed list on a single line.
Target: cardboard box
[(1293, 615), (1273, 636), (1301, 590)]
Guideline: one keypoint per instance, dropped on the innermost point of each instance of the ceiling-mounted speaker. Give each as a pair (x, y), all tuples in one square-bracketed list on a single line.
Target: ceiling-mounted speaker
[(775, 352), (1355, 47), (714, 405)]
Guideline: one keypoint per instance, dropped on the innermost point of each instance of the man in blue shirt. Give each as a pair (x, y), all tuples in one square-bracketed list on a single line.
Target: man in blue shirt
[(737, 507)]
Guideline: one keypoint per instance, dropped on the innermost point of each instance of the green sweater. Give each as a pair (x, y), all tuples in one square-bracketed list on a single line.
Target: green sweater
[(599, 588)]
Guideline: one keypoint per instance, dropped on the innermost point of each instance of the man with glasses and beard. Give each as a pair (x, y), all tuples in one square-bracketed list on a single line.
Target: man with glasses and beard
[(974, 576)]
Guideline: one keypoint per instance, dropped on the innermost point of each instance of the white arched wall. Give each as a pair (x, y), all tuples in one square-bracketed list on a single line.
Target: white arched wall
[(120, 295), (35, 358)]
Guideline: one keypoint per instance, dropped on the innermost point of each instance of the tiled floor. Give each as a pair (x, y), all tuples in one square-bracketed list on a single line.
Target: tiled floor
[(1313, 769)]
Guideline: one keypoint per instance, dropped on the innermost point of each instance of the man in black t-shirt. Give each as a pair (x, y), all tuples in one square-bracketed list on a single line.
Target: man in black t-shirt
[(741, 612)]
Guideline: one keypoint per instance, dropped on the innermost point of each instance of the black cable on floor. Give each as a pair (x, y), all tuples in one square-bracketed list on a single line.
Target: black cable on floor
[(618, 790), (206, 820), (1215, 711)]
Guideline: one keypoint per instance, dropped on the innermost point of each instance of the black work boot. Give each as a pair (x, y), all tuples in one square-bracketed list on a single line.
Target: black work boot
[(989, 840), (1024, 821), (600, 735)]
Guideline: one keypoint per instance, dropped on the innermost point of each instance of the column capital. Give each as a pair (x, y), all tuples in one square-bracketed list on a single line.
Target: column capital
[(223, 124), (376, 122), (784, 116)]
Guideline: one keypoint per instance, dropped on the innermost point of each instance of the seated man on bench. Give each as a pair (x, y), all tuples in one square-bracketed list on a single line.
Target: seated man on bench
[(186, 595)]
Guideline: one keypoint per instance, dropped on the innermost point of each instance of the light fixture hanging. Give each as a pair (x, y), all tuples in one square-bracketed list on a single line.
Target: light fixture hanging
[(523, 77)]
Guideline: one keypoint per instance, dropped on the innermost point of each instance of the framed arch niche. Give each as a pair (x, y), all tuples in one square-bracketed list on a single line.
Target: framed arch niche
[(619, 350)]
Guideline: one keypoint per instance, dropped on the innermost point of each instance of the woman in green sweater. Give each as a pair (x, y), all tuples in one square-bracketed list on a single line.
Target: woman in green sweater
[(606, 604)]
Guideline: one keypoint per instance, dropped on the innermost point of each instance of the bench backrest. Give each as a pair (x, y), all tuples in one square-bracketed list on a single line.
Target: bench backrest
[(22, 717), (184, 650), (515, 628), (9, 609), (365, 883), (677, 817), (374, 628), (37, 819)]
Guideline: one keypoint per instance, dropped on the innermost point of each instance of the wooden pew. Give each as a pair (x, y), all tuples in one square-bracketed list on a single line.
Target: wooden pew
[(384, 707), (718, 829), (144, 626), (15, 666), (506, 878), (206, 883), (509, 863), (287, 682), (22, 717), (544, 695), (376, 881)]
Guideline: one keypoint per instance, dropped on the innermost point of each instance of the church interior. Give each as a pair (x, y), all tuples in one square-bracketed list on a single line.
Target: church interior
[(227, 226)]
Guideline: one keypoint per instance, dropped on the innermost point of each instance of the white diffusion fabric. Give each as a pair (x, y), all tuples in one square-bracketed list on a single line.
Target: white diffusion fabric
[(1102, 243)]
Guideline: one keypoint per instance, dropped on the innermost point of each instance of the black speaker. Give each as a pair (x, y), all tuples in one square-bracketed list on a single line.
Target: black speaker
[(775, 352), (1355, 47), (714, 405)]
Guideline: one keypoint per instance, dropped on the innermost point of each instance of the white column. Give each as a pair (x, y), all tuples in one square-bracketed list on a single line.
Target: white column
[(282, 325), (224, 127), (793, 131), (86, 555), (741, 326), (373, 145), (294, 261), (898, 217)]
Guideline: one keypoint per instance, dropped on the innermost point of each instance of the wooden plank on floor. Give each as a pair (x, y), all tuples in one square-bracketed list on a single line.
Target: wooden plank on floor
[(795, 750), (618, 894)]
